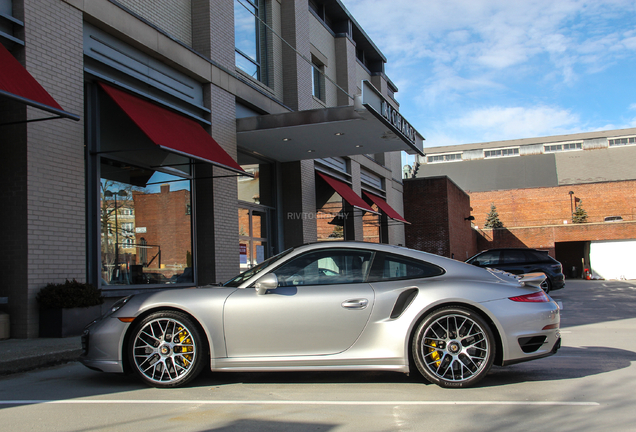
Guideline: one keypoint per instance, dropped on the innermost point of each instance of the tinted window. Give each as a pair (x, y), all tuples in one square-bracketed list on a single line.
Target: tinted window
[(488, 258), (515, 257), (391, 267), (331, 266), (537, 256)]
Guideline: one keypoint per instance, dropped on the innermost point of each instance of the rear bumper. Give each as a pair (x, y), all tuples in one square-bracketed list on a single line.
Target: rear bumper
[(554, 350)]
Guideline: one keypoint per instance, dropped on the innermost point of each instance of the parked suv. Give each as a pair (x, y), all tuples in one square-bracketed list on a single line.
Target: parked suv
[(520, 261)]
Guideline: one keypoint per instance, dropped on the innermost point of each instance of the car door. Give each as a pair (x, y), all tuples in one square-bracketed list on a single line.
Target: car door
[(515, 261), (322, 304)]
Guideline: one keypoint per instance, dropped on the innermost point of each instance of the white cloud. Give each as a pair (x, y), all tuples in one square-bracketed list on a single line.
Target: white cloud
[(501, 123)]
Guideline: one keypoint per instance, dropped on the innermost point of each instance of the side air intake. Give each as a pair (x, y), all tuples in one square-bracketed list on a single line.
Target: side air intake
[(403, 301)]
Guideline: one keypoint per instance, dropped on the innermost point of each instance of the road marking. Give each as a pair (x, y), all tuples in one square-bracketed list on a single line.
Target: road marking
[(284, 402)]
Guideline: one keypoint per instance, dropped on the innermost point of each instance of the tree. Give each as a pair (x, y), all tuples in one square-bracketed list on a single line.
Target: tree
[(492, 218), (579, 215)]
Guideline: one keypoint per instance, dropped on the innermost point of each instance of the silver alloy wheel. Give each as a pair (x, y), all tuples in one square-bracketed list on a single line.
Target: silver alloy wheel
[(455, 348), (164, 350)]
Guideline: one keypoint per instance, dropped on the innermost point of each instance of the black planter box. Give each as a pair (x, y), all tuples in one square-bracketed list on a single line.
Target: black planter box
[(57, 323)]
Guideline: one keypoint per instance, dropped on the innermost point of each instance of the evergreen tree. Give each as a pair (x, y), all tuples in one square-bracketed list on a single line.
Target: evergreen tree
[(492, 218), (579, 215)]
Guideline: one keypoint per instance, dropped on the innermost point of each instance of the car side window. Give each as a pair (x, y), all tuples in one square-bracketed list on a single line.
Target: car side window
[(538, 257), (488, 258), (394, 267), (514, 257), (325, 267)]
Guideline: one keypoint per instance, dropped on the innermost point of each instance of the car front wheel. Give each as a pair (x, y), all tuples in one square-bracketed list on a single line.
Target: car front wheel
[(453, 347), (166, 349)]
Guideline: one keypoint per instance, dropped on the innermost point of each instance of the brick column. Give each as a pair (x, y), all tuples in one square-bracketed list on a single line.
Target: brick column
[(299, 203), (346, 76), (49, 228), (296, 70)]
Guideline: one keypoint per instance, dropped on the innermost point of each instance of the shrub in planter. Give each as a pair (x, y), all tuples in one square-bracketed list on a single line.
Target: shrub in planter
[(66, 308)]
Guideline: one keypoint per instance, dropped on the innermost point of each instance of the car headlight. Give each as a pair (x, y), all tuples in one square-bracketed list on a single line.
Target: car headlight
[(117, 305)]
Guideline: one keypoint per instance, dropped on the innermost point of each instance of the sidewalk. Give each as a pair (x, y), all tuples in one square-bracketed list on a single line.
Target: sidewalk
[(20, 355)]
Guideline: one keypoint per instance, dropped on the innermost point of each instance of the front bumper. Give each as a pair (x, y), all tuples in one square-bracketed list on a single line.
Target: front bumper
[(102, 342)]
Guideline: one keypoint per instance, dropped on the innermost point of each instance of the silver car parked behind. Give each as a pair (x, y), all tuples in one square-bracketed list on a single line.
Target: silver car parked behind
[(333, 306)]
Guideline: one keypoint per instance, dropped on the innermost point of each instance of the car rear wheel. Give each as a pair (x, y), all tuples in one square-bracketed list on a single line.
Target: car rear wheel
[(166, 349), (546, 285), (453, 347)]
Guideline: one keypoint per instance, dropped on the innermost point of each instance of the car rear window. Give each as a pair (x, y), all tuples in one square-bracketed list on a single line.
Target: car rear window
[(393, 267)]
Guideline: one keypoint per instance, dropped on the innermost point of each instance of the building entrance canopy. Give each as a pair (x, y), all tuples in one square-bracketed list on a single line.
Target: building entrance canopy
[(370, 126), (171, 131), (18, 84)]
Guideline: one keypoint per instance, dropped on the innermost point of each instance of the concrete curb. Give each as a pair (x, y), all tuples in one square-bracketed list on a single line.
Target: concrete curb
[(29, 363), (21, 355)]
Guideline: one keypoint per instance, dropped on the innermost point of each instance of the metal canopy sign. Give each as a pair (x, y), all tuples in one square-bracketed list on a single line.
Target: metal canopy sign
[(377, 105)]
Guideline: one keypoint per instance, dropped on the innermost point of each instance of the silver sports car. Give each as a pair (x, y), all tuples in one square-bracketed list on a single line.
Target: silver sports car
[(333, 306)]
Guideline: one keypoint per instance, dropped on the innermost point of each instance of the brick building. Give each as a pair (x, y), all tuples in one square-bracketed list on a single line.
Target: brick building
[(536, 185), (256, 113)]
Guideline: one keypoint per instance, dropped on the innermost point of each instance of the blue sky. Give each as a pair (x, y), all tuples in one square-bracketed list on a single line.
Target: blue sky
[(472, 71)]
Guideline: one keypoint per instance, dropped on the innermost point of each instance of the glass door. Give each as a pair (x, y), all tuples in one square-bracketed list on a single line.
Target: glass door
[(253, 236)]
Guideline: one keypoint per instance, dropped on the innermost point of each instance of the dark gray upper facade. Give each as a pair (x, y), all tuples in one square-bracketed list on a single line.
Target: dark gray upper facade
[(535, 162)]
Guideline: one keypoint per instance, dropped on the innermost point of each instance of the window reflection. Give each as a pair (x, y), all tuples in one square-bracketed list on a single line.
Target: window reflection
[(146, 227), (249, 37)]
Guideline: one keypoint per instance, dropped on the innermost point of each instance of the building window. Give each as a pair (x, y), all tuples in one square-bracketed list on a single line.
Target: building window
[(318, 80), (249, 36), (615, 142), (501, 152), (451, 157), (562, 147), (153, 246)]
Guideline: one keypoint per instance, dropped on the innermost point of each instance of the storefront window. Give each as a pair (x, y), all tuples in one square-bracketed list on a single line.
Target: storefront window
[(371, 224), (330, 217), (145, 226)]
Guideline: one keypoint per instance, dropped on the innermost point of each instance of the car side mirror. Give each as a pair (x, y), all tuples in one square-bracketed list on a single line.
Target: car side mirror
[(267, 282)]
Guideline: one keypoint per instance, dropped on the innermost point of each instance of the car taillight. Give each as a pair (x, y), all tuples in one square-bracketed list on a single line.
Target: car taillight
[(538, 297)]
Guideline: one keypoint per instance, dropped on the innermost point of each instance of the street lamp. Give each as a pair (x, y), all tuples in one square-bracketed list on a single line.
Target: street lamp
[(114, 195)]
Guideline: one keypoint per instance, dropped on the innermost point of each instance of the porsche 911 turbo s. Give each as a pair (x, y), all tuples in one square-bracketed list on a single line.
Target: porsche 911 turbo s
[(333, 307)]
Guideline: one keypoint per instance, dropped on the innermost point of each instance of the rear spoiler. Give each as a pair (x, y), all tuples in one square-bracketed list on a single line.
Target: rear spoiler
[(532, 279)]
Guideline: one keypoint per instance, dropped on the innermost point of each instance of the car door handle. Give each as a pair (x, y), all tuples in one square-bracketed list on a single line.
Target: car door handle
[(355, 304)]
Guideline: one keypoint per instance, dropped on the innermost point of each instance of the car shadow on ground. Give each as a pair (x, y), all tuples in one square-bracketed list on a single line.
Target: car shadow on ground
[(568, 363)]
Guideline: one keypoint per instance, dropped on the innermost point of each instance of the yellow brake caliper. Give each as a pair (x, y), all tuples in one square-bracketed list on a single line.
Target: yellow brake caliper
[(434, 354), (184, 338)]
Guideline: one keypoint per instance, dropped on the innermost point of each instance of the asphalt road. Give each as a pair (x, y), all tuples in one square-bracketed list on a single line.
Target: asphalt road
[(590, 385)]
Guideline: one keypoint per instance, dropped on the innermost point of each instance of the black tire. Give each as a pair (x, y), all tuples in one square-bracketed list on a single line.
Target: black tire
[(453, 347), (166, 349), (546, 285)]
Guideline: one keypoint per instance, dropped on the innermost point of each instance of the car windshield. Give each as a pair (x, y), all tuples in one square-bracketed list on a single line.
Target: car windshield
[(236, 281)]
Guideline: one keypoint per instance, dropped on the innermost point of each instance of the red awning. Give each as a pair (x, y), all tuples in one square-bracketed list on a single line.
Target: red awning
[(18, 84), (172, 131), (345, 191), (384, 206)]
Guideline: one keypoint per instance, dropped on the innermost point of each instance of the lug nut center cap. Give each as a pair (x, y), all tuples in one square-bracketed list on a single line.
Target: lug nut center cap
[(454, 347), (164, 350)]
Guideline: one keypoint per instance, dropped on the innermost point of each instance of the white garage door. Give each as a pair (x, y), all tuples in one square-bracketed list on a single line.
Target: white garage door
[(613, 259)]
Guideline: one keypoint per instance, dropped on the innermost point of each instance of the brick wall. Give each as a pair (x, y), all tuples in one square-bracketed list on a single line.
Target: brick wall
[(172, 16), (551, 205), (54, 161), (436, 209), (546, 237)]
